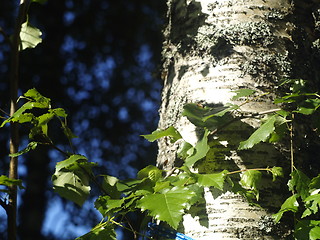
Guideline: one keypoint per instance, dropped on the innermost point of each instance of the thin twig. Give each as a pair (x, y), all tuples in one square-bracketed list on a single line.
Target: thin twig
[(291, 145), (124, 227), (132, 229), (4, 112), (245, 170)]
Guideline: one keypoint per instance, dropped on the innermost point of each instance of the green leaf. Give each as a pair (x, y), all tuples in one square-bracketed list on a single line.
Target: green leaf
[(74, 187), (67, 131), (128, 185), (30, 36), (307, 229), (207, 117), (60, 112), (315, 233), (182, 179), (133, 185), (313, 203), (212, 180), (308, 106), (109, 184), (19, 115), (170, 132), (197, 196), (299, 182), (107, 206), (100, 232), (260, 135), (250, 179), (20, 118), (30, 146), (183, 150), (36, 100), (168, 206), (245, 92), (201, 150), (276, 172), (37, 97), (151, 172), (9, 182), (42, 125), (291, 204), (220, 112), (71, 178), (160, 186), (315, 183)]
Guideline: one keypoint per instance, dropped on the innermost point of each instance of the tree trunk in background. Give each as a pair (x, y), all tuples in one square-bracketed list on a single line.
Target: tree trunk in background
[(212, 48), (34, 200)]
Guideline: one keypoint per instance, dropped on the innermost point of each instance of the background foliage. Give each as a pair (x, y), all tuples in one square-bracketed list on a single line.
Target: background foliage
[(99, 59)]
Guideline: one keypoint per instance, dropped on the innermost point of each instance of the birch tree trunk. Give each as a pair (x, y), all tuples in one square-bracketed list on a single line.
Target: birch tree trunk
[(212, 48)]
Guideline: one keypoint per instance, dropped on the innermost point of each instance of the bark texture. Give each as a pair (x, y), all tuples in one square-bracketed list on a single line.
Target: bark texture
[(212, 48)]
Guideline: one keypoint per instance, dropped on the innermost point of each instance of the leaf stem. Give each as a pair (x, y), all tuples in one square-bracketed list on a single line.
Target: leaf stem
[(244, 170), (131, 230)]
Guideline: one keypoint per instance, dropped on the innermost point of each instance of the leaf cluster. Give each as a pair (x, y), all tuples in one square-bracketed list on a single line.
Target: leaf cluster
[(168, 196)]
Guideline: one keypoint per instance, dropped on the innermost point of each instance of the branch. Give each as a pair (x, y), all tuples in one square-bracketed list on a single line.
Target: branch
[(14, 131)]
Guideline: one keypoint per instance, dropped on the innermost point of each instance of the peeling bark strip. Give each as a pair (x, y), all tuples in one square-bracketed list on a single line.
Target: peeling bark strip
[(212, 48)]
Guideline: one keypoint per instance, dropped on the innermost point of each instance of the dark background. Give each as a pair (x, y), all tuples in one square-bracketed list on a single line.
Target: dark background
[(100, 61)]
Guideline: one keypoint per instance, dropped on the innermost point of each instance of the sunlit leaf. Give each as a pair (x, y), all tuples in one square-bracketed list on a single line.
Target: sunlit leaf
[(72, 186), (151, 172), (30, 146), (216, 180), (36, 100), (30, 36), (313, 203), (9, 182), (260, 135), (315, 233), (208, 117), (170, 132), (109, 184), (71, 178), (168, 206), (250, 179), (37, 97), (183, 150), (291, 204), (100, 232), (60, 112), (201, 150), (43, 121), (245, 92), (276, 172), (299, 182), (219, 112), (161, 185)]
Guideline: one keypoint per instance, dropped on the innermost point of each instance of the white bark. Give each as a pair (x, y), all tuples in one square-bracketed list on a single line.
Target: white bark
[(212, 48)]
